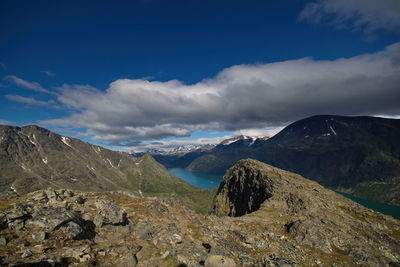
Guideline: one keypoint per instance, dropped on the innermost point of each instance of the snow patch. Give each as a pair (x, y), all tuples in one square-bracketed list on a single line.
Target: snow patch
[(137, 163), (253, 140), (44, 160), (90, 168), (119, 162), (333, 131), (112, 165), (65, 140), (13, 189), (23, 167)]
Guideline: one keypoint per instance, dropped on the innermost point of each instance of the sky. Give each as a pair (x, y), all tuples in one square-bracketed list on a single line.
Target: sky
[(134, 75)]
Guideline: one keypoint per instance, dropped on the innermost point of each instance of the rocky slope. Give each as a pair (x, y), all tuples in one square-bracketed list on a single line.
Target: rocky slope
[(358, 155), (33, 158), (299, 224), (310, 214)]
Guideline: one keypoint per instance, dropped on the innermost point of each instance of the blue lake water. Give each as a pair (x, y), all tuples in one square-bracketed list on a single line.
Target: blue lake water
[(380, 207), (208, 181), (198, 179)]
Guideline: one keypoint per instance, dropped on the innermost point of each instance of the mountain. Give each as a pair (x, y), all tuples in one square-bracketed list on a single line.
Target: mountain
[(33, 158), (231, 145), (276, 218), (358, 155)]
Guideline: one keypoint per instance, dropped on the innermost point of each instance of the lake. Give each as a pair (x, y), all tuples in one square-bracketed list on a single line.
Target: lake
[(198, 179), (380, 207), (208, 181)]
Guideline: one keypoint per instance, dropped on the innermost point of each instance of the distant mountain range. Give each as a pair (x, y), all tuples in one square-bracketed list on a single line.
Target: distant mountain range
[(358, 155), (33, 158)]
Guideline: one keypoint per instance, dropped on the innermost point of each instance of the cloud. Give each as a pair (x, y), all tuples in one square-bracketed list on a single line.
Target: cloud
[(48, 73), (258, 132), (5, 122), (31, 101), (163, 145), (239, 97), (34, 86), (366, 15)]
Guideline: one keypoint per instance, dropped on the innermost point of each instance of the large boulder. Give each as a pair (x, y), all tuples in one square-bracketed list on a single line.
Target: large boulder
[(110, 213)]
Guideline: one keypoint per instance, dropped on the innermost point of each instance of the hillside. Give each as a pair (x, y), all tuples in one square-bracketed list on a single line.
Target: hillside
[(359, 155), (33, 158), (277, 218)]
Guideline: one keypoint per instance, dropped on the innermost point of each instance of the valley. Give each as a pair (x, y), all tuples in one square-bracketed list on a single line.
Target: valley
[(356, 155)]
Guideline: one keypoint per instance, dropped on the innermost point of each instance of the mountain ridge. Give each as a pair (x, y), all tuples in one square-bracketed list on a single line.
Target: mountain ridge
[(33, 158), (355, 154)]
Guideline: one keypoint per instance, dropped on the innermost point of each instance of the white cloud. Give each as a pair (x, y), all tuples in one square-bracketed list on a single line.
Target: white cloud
[(5, 122), (258, 132), (366, 15), (47, 72), (34, 86), (397, 117), (31, 101), (239, 97)]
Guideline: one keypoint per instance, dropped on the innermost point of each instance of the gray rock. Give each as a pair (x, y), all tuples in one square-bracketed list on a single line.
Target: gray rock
[(80, 200), (73, 230), (310, 232), (27, 254), (130, 260), (112, 214), (39, 236), (52, 218), (69, 193), (3, 241), (98, 220), (219, 261), (3, 222)]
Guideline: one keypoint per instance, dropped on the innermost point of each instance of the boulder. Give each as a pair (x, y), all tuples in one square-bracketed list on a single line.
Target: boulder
[(219, 261), (52, 218), (39, 236), (111, 213)]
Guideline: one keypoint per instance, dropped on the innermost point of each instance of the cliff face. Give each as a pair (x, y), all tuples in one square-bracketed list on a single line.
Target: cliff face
[(309, 213)]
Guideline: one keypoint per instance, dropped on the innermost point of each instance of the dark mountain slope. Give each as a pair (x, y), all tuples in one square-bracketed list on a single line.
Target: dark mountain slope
[(33, 158), (337, 151)]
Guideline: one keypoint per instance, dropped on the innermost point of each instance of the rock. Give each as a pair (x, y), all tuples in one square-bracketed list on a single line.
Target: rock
[(39, 236), (3, 222), (311, 232), (130, 260), (3, 241), (219, 261), (73, 230), (112, 214), (27, 254), (243, 189), (98, 220), (52, 218), (275, 261), (80, 200)]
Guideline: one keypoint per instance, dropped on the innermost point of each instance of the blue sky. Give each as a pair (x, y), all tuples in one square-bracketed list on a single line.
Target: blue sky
[(126, 73)]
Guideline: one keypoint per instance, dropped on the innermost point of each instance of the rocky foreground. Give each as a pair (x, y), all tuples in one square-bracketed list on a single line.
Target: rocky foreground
[(263, 216)]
